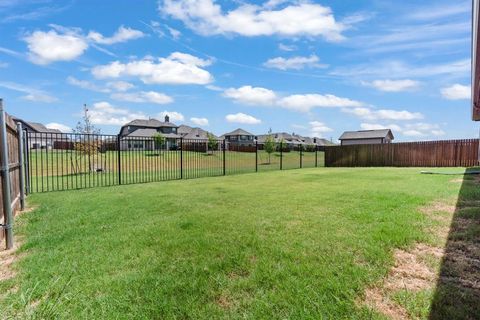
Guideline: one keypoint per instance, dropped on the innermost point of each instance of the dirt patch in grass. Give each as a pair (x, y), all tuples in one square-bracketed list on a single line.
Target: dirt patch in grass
[(459, 260), (409, 272), (439, 211), (7, 258), (223, 302), (378, 300)]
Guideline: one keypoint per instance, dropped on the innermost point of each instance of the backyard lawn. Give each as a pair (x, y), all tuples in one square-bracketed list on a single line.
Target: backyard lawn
[(302, 244)]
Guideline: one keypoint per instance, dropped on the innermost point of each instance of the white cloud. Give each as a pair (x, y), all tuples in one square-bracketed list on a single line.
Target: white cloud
[(173, 115), (317, 128), (174, 33), (295, 63), (242, 118), (40, 97), (297, 102), (177, 68), (394, 85), (142, 97), (384, 114), (123, 34), (299, 19), (456, 92), (84, 84), (199, 121), (441, 11), (399, 69), (305, 102), (48, 47), (376, 126), (120, 85), (286, 47), (59, 126), (104, 113), (251, 95), (32, 94), (419, 129)]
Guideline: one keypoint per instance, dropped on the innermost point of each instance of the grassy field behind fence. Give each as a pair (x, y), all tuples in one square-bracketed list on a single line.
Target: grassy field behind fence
[(297, 244), (59, 170)]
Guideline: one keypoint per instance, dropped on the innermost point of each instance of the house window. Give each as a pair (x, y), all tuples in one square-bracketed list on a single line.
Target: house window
[(174, 130), (233, 138), (243, 138)]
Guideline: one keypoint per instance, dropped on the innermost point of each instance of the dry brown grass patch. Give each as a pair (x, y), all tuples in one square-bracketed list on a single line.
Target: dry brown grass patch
[(223, 302), (409, 272), (378, 300)]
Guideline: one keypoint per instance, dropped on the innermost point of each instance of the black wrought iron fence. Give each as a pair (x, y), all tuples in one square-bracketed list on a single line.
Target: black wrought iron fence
[(60, 161)]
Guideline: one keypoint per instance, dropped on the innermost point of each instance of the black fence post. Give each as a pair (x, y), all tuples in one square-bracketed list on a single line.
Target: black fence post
[(256, 156), (316, 156), (224, 153), (301, 155), (119, 164), (27, 162), (281, 155), (21, 161), (181, 158)]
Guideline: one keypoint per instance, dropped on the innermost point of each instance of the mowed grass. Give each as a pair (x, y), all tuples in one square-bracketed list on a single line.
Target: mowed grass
[(299, 244), (52, 170)]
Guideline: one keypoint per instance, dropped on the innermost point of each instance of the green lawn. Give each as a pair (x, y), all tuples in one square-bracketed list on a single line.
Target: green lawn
[(299, 244), (64, 170)]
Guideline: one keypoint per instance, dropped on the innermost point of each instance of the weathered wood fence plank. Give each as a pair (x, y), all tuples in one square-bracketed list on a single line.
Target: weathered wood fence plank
[(14, 172)]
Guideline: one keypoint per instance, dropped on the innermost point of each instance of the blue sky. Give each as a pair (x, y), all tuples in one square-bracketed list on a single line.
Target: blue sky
[(310, 67)]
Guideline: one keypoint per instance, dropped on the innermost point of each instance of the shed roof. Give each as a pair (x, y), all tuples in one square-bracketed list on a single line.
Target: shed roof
[(366, 134)]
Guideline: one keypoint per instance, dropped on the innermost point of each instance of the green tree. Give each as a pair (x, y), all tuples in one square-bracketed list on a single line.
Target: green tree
[(159, 141), (269, 145), (212, 142)]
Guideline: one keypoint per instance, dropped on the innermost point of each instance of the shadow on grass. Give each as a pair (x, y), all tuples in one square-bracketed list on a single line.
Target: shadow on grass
[(457, 294)]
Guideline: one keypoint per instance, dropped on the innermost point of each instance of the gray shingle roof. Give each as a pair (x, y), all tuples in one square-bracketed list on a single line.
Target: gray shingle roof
[(198, 133), (324, 142), (150, 132), (366, 134), (150, 123), (238, 132), (184, 130), (38, 127)]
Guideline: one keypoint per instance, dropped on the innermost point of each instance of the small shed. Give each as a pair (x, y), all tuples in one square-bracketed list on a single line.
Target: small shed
[(366, 137)]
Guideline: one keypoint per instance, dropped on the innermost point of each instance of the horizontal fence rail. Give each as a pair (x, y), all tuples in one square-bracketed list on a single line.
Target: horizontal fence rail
[(60, 161), (445, 153)]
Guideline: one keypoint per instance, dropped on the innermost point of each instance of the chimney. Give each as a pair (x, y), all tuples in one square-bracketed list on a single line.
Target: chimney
[(167, 118)]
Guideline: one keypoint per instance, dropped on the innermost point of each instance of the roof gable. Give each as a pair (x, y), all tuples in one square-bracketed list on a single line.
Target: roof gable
[(238, 132)]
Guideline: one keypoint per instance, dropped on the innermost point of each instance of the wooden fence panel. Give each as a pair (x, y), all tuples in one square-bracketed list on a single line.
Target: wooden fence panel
[(14, 172), (444, 153)]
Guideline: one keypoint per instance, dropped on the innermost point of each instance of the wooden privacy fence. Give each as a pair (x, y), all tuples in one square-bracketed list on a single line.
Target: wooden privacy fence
[(445, 153), (11, 174)]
